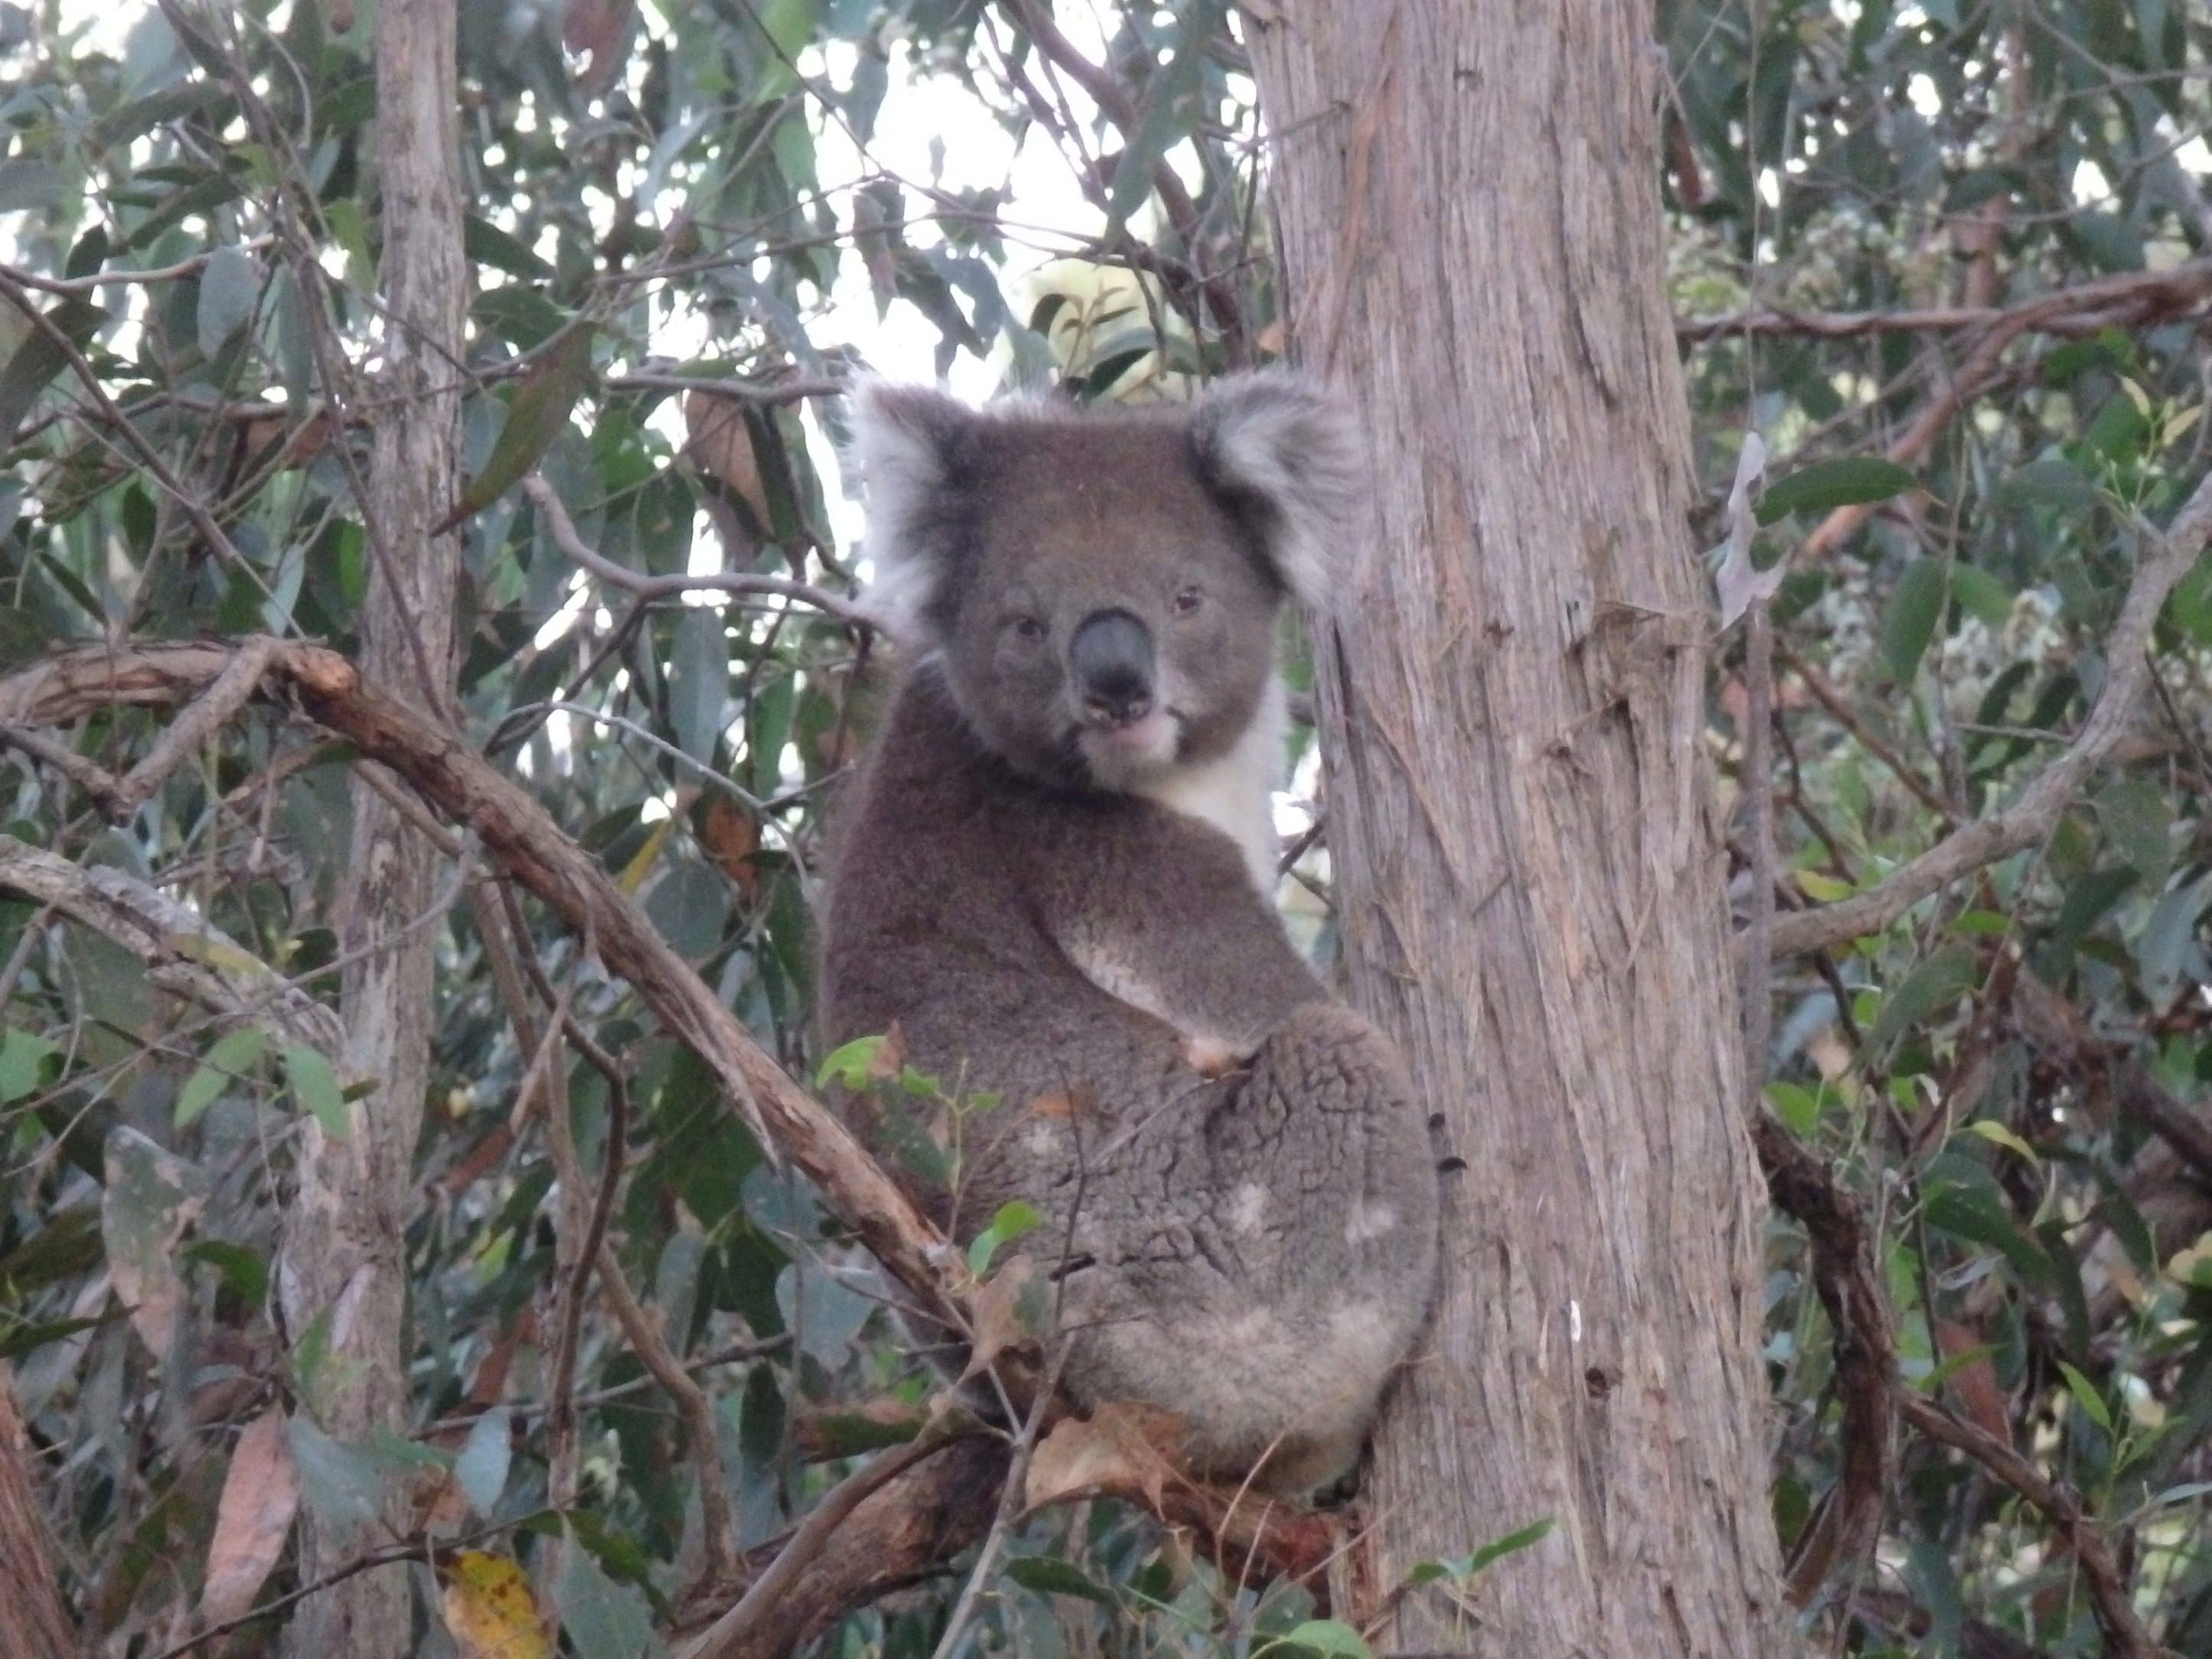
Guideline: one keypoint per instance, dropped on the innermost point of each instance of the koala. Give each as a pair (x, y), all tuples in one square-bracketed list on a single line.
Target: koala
[(1053, 876)]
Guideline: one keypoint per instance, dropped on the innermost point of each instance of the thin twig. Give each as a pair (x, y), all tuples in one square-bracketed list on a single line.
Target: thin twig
[(1825, 693), (562, 529), (1011, 1499)]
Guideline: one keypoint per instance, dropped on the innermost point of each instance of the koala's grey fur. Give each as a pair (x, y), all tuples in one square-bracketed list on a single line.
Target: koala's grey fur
[(1073, 916)]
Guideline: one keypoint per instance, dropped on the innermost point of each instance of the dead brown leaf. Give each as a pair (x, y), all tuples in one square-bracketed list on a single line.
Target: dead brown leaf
[(1122, 1450), (595, 30), (1976, 1382), (252, 1519), (721, 445), (1008, 1314), (730, 837)]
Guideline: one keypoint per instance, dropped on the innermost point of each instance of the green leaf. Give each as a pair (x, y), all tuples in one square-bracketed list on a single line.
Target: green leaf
[(482, 1466), (1171, 111), (1847, 481), (2138, 818), (230, 290), (1048, 1576), (1798, 1106), (1981, 595), (315, 1086), (22, 1061), (488, 245), (339, 1484), (1990, 1130), (2085, 1392), (851, 1065), (40, 358), (1973, 1214), (603, 1620), (699, 682), (231, 1058), (1467, 1565), (1329, 1639), (1014, 1221), (1909, 622), (537, 415), (1950, 971)]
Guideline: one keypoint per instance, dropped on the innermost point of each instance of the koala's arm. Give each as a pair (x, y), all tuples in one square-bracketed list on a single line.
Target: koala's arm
[(1160, 912)]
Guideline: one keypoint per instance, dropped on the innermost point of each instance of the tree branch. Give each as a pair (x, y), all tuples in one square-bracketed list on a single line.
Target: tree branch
[(2132, 298), (1851, 1291), (562, 529), (2032, 816), (2124, 1634)]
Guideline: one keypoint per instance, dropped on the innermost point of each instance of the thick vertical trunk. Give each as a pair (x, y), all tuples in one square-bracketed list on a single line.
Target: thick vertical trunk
[(343, 1252), (1529, 882)]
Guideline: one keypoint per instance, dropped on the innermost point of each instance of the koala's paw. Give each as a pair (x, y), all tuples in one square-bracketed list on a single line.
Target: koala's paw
[(1212, 1058)]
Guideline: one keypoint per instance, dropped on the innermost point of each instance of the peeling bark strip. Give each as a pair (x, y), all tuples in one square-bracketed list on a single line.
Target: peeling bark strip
[(1530, 888)]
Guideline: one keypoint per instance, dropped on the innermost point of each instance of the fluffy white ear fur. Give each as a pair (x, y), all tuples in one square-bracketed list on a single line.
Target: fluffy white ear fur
[(901, 440), (1282, 439)]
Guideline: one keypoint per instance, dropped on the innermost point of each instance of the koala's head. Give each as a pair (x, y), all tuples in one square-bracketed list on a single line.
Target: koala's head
[(1102, 584)]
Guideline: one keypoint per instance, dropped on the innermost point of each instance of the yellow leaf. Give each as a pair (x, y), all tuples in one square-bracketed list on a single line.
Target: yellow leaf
[(2136, 395), (634, 872), (2178, 425), (1823, 890), (1988, 1130), (491, 1610)]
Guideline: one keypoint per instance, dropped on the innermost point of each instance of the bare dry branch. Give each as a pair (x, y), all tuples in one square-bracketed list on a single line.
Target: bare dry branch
[(738, 1631), (904, 1531), (2032, 816)]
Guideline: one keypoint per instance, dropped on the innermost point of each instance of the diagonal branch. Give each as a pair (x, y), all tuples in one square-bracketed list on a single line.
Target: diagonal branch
[(2037, 812), (2124, 1634)]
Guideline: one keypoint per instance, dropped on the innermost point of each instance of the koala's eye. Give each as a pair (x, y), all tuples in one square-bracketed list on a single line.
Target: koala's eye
[(1031, 628), (1188, 601)]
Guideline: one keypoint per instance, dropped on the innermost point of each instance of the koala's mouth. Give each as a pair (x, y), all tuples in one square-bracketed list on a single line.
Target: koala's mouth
[(1117, 752)]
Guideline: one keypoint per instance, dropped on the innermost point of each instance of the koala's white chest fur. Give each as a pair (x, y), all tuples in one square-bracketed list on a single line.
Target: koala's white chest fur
[(1235, 793)]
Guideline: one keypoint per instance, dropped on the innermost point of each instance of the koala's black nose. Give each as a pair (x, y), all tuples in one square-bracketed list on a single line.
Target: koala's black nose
[(1111, 660)]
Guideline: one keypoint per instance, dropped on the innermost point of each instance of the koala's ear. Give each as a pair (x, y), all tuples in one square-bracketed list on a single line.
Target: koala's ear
[(1280, 446), (911, 443)]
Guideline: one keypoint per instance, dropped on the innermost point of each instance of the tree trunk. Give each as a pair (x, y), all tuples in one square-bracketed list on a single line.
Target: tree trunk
[(36, 1625), (344, 1254), (1529, 877)]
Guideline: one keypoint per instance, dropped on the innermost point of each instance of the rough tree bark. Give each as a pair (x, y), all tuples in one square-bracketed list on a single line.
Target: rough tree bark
[(1530, 882), (343, 1250), (37, 1624)]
